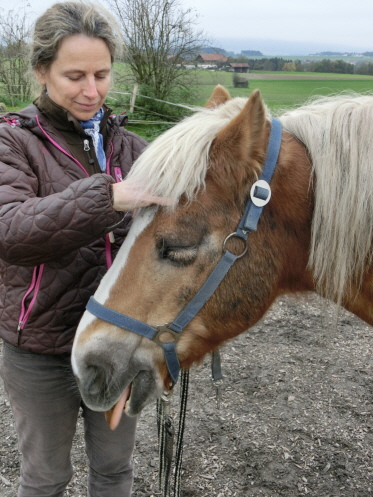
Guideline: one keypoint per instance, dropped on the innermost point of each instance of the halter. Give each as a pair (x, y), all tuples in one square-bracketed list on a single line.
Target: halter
[(167, 335)]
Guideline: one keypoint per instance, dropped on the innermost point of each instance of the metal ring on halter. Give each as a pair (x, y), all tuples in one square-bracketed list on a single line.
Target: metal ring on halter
[(165, 335), (240, 238)]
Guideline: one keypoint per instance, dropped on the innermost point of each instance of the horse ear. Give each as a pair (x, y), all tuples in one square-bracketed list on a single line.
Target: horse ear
[(244, 136), (218, 97)]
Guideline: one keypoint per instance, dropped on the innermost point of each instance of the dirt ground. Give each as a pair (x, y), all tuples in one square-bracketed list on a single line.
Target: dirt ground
[(295, 415)]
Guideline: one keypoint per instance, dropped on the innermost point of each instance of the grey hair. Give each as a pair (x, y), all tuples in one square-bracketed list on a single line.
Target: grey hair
[(71, 18)]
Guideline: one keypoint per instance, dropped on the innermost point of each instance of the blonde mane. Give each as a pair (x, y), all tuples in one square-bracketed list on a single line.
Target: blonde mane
[(338, 133), (176, 162)]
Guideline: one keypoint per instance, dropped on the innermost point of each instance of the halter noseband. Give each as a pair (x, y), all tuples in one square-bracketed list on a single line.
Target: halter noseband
[(167, 335)]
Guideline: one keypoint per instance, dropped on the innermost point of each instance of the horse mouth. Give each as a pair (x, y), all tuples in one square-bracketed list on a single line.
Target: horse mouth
[(114, 415), (142, 390)]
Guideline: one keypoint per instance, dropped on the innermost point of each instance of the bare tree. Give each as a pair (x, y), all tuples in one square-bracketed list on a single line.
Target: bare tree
[(14, 56), (160, 38)]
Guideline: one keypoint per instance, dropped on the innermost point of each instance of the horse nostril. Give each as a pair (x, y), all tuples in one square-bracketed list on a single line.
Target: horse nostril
[(95, 381)]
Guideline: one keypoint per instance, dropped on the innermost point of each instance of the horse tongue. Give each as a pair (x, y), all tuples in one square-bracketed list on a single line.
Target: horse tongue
[(114, 415)]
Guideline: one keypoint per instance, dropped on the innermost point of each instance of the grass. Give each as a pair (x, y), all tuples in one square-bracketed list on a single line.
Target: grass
[(280, 91), (278, 94), (287, 93)]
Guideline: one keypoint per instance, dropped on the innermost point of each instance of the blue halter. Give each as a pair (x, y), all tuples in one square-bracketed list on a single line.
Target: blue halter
[(168, 335)]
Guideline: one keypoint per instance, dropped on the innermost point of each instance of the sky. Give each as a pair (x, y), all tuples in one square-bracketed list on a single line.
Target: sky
[(275, 27)]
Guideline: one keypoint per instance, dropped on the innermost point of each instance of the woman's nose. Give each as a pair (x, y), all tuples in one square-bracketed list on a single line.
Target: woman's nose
[(90, 88)]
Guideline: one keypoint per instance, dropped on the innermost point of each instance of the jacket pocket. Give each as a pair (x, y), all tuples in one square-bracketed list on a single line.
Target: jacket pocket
[(29, 298)]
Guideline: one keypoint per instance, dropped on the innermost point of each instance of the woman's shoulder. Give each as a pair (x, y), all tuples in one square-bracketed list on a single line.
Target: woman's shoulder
[(19, 118), (18, 124)]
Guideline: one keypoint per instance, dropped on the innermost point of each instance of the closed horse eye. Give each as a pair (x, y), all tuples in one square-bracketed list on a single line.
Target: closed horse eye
[(179, 255)]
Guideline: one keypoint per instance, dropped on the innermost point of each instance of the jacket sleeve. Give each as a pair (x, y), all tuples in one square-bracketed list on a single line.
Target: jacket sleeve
[(36, 230)]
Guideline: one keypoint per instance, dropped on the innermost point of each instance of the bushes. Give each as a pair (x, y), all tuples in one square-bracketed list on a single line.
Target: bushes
[(240, 81)]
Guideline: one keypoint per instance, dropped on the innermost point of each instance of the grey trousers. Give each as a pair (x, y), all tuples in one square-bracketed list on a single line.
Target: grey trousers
[(45, 402)]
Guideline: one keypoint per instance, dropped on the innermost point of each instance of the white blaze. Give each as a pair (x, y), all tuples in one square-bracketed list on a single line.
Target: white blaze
[(102, 293)]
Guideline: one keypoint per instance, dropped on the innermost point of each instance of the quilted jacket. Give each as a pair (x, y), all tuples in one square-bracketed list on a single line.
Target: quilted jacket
[(54, 223)]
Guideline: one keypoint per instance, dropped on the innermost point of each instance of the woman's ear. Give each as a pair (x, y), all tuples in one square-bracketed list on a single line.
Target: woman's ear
[(40, 76)]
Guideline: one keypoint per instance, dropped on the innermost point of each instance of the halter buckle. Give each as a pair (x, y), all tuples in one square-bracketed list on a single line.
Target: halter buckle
[(165, 335), (260, 193)]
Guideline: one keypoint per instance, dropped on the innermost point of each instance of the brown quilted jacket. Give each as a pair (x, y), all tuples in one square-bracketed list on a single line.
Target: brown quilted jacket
[(54, 225)]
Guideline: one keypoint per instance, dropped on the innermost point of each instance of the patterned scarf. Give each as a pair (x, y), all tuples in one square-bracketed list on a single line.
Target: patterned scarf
[(92, 128)]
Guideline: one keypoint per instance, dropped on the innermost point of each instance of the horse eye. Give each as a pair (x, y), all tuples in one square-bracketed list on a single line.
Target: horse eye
[(179, 255)]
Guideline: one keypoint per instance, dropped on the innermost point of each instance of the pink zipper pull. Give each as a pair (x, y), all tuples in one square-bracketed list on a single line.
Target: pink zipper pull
[(118, 174)]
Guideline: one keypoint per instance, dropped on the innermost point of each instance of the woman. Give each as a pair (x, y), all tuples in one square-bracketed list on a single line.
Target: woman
[(62, 220)]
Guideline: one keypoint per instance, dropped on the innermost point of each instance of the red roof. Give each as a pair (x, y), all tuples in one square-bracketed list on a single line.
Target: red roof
[(239, 64), (213, 57)]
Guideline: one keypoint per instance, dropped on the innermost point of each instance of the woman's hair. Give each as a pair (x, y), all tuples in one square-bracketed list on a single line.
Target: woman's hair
[(70, 19)]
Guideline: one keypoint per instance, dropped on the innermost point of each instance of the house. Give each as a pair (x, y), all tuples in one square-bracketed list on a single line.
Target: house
[(212, 59), (239, 66)]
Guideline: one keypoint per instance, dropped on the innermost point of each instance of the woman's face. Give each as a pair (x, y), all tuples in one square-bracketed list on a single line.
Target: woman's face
[(79, 77)]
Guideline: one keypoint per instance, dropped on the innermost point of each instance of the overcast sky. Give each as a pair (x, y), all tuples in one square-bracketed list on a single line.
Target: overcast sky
[(270, 25)]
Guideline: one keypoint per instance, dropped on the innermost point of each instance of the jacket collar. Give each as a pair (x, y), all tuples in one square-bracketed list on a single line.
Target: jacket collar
[(63, 120)]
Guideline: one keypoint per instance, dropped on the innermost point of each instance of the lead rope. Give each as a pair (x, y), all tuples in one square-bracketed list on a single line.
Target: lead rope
[(165, 440), (166, 430), (166, 434), (184, 387)]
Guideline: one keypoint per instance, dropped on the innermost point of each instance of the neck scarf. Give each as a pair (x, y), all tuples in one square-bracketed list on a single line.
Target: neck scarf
[(92, 128)]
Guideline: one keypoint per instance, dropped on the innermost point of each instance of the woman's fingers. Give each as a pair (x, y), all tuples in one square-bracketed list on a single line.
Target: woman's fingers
[(127, 195)]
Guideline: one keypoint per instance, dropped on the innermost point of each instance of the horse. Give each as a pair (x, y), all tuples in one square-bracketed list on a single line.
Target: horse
[(314, 235)]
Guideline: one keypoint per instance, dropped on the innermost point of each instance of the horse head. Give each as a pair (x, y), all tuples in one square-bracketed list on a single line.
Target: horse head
[(207, 163)]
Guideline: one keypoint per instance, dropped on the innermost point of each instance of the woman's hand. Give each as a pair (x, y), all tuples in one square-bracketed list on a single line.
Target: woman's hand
[(127, 196)]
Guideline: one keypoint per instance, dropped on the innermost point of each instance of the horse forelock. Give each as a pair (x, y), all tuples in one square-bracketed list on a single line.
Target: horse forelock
[(338, 133), (176, 162)]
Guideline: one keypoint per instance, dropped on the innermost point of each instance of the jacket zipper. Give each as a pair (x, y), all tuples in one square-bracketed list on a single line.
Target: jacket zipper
[(87, 150), (26, 309), (118, 174)]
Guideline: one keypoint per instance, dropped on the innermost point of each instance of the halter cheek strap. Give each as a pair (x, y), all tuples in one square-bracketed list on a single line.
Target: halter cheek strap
[(259, 197)]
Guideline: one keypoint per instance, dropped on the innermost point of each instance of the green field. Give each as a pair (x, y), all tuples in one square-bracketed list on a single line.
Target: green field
[(280, 90)]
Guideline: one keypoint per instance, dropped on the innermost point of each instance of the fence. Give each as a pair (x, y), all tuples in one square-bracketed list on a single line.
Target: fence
[(132, 102)]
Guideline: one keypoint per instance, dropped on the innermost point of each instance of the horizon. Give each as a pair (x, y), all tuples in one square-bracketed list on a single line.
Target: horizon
[(273, 47)]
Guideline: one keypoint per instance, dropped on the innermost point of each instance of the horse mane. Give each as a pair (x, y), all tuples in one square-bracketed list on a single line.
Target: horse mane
[(338, 133), (176, 162)]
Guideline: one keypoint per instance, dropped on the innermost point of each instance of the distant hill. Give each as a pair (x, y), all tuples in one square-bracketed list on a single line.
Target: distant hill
[(329, 53), (214, 50), (341, 54), (275, 47), (252, 53)]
